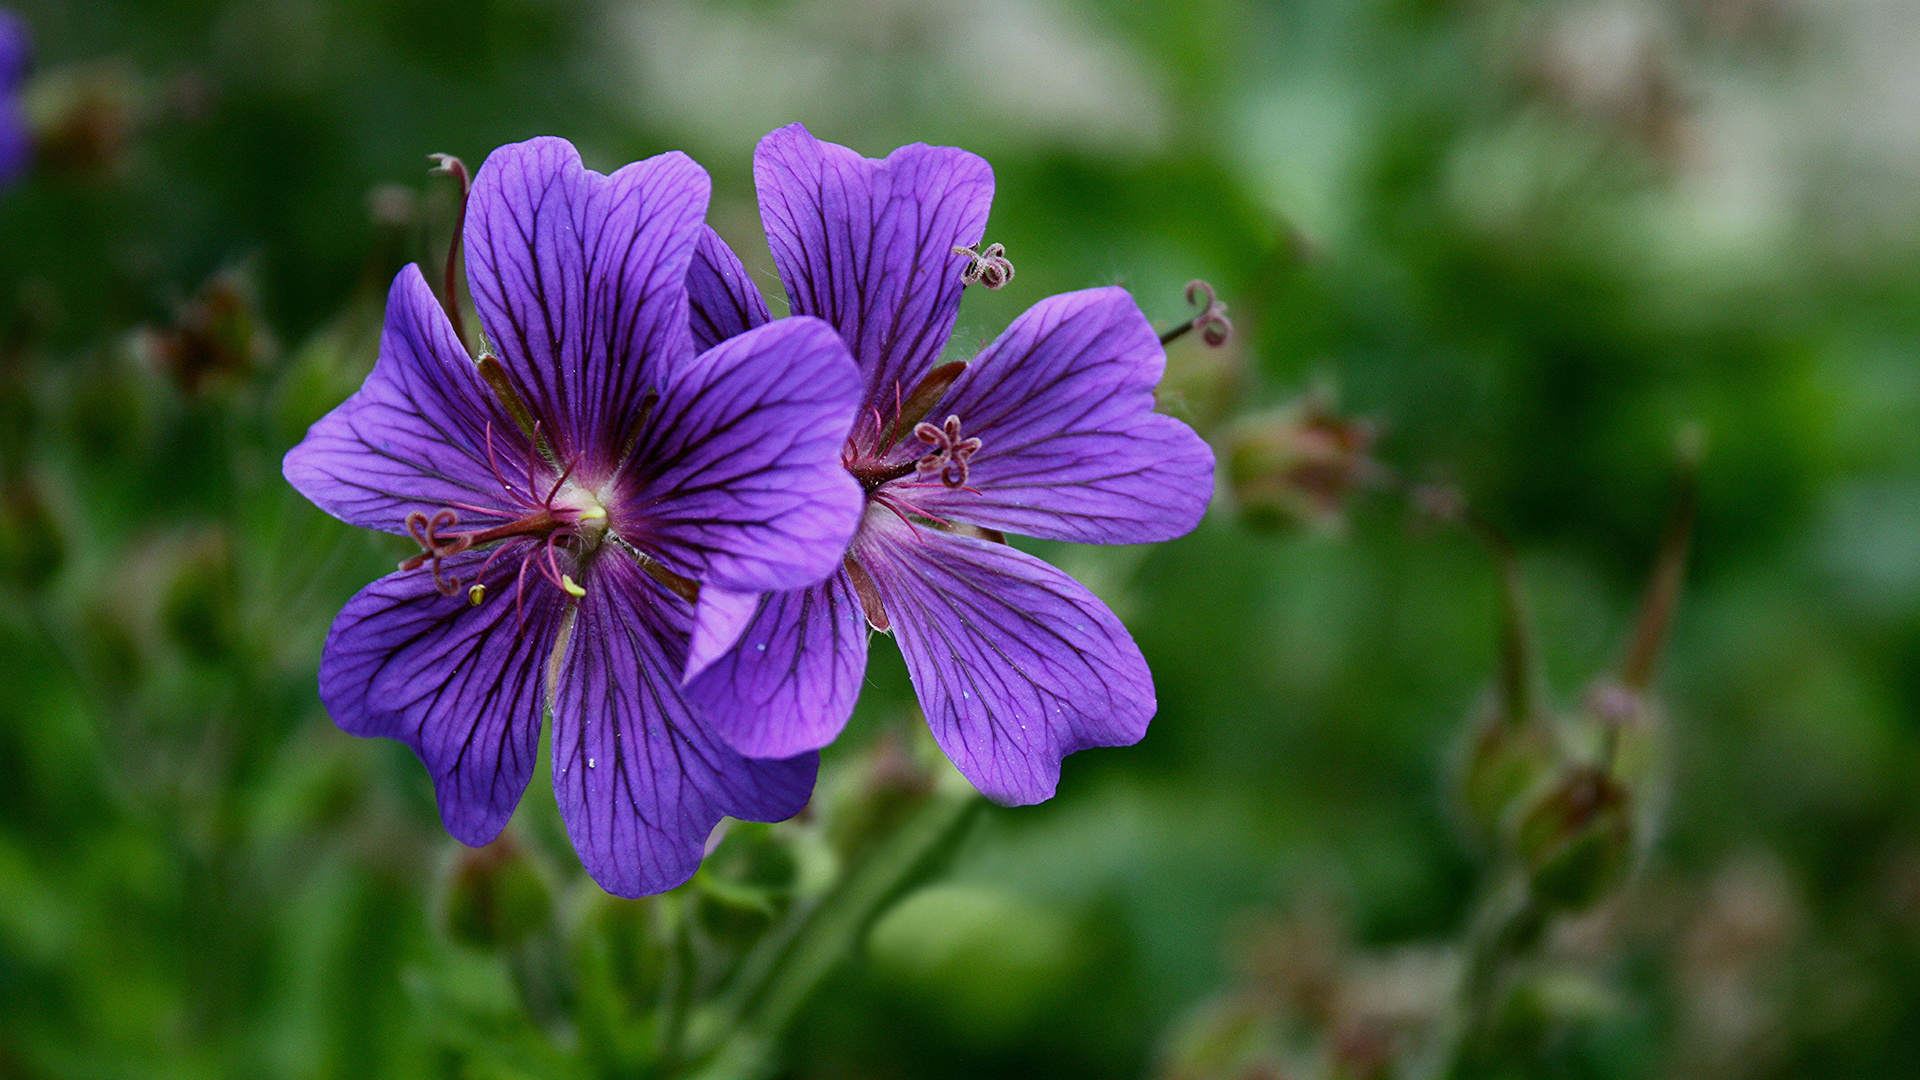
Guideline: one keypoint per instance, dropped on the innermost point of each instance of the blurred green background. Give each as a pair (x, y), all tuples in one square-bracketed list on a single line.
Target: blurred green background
[(1529, 242)]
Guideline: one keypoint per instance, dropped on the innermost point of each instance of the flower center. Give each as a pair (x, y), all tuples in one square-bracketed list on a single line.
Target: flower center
[(947, 457), (567, 515)]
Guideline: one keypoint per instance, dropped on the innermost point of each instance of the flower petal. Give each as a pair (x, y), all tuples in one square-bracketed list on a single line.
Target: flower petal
[(721, 298), (16, 140), (1016, 664), (1071, 449), (415, 435), (791, 683), (580, 281), (719, 618), (868, 245), (640, 781), (461, 684), (738, 481)]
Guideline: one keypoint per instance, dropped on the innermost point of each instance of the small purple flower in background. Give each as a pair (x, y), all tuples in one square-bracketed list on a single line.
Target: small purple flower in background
[(16, 138), (566, 497), (1050, 432)]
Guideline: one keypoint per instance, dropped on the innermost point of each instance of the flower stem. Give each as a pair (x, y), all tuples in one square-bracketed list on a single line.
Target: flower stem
[(783, 971)]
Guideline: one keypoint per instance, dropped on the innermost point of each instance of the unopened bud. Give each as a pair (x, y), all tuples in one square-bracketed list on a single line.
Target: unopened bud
[(197, 604), (31, 548), (889, 784), (1299, 465), (496, 898), (85, 119), (216, 338), (1502, 764), (1577, 841)]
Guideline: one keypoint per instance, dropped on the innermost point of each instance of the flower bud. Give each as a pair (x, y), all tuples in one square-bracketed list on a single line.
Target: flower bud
[(1503, 763), (1298, 465), (888, 785), (495, 897), (31, 548), (1577, 841), (215, 339)]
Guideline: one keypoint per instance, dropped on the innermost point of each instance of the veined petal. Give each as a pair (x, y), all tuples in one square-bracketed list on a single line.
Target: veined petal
[(416, 435), (581, 282), (640, 781), (791, 682), (721, 298), (868, 245), (1016, 664), (459, 683), (1071, 449), (719, 618), (738, 481)]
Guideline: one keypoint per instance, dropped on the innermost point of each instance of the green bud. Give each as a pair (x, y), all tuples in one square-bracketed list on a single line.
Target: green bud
[(746, 881), (197, 601), (889, 783), (31, 548), (495, 898), (1577, 841), (1296, 467), (1503, 763)]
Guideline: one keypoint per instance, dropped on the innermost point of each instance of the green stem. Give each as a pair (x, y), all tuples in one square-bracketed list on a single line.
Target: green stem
[(778, 977), (1506, 927)]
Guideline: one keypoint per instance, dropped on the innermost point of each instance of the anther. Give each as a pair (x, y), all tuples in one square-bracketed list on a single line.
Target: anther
[(1211, 320), (990, 267), (567, 583), (476, 594), (425, 531)]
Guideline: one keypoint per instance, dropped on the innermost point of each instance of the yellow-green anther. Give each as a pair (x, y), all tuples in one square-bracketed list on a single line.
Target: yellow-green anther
[(510, 399), (476, 594), (566, 582)]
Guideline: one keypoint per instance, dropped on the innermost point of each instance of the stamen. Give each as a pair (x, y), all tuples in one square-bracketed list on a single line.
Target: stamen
[(1211, 321), (476, 594), (496, 377), (452, 166), (950, 453), (990, 268), (566, 583)]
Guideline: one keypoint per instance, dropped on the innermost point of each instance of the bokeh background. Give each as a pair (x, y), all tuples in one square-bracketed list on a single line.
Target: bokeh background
[(1530, 244)]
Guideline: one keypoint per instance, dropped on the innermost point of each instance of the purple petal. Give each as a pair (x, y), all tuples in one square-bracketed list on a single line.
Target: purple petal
[(415, 435), (868, 245), (721, 298), (580, 281), (1071, 448), (16, 51), (738, 482), (790, 684), (16, 140), (1016, 664), (719, 618), (639, 780), (460, 684)]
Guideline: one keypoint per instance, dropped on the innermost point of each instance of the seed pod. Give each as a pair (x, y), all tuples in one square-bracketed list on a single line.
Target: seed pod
[(1577, 842)]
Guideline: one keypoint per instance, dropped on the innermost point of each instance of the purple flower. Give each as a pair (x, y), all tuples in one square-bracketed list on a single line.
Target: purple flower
[(1050, 432), (566, 498), (16, 138)]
